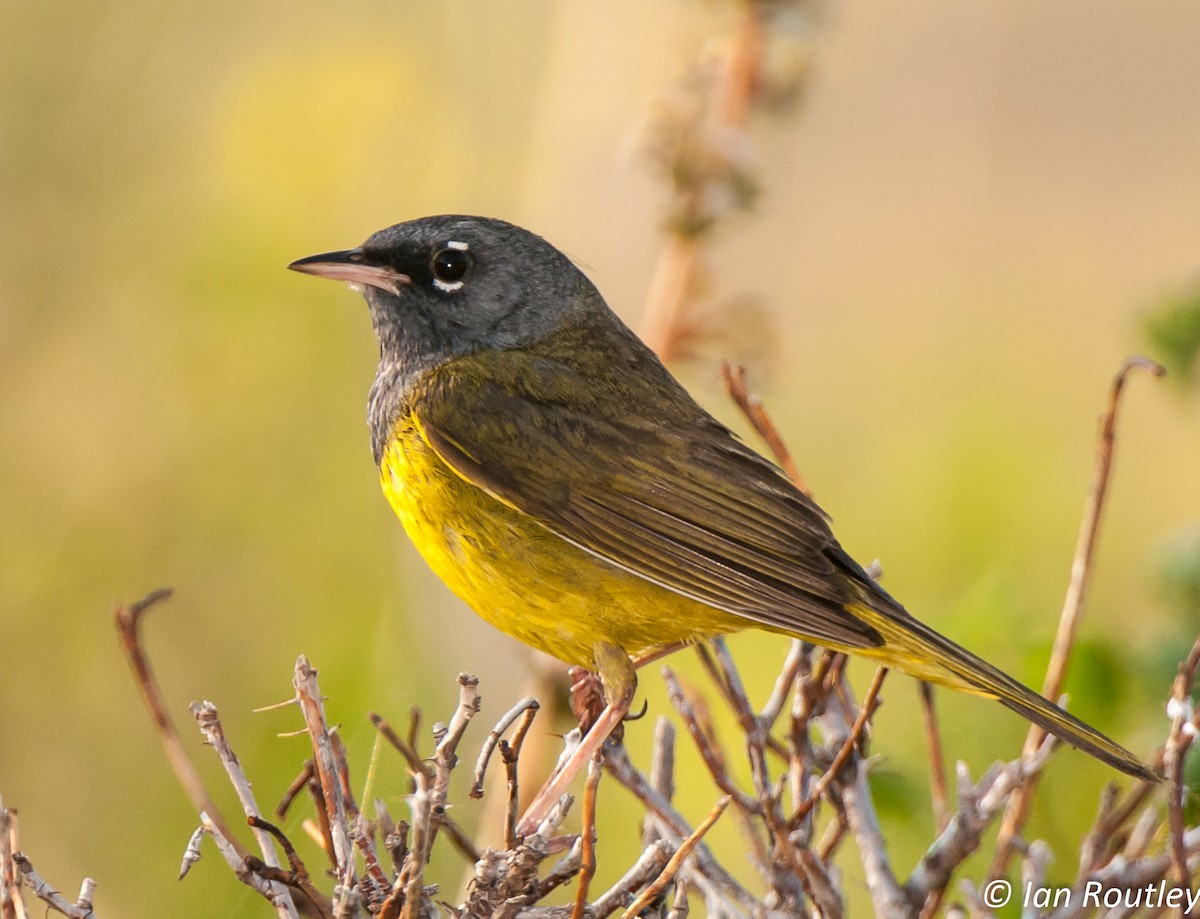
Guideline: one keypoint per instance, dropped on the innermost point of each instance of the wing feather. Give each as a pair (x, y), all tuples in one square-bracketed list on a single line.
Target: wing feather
[(654, 486)]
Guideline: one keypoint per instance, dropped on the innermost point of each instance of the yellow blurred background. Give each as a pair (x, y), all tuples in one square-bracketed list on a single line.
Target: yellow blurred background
[(962, 224)]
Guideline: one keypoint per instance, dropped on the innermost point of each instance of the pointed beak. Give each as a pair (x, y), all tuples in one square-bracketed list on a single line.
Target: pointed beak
[(351, 265)]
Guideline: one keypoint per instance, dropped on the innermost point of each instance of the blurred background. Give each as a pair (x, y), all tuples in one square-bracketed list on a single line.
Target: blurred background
[(965, 220)]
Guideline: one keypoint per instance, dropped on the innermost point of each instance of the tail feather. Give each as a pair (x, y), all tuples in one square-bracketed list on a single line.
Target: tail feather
[(914, 647), (1048, 716)]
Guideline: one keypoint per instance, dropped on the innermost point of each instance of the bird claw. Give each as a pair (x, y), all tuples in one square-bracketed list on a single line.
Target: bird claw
[(630, 716), (588, 701)]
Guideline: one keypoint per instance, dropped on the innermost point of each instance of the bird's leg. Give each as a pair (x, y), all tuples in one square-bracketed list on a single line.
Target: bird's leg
[(619, 681), (651, 655)]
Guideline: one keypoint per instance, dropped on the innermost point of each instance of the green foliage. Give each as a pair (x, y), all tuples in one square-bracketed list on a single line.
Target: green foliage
[(1178, 574), (1172, 330), (1095, 677)]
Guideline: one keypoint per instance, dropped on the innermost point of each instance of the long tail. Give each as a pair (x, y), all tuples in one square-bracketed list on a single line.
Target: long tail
[(915, 648), (1044, 713)]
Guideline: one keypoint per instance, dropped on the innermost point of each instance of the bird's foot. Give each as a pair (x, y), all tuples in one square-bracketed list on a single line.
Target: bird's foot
[(587, 697), (588, 701), (556, 786), (613, 684)]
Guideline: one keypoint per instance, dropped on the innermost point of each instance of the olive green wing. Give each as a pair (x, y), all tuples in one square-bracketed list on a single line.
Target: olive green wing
[(641, 476)]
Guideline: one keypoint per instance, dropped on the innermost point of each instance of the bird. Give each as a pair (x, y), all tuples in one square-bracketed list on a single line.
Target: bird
[(557, 477)]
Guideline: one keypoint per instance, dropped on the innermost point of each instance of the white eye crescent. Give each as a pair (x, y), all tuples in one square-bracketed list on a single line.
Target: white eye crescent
[(450, 265)]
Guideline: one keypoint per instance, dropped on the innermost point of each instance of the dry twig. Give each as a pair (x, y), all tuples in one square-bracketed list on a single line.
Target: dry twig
[(676, 861), (1073, 604), (128, 620)]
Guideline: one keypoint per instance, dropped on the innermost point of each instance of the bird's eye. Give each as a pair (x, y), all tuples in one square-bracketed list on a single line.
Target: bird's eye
[(450, 266)]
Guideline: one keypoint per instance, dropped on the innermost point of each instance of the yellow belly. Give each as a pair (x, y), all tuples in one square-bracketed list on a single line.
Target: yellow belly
[(522, 578)]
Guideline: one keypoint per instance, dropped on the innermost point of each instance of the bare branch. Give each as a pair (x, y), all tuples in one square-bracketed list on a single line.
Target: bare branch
[(587, 836), (326, 765), (128, 620), (649, 865), (1183, 733), (752, 407), (937, 760), (677, 860), (847, 748), (1073, 603), (210, 726), (526, 710), (51, 897)]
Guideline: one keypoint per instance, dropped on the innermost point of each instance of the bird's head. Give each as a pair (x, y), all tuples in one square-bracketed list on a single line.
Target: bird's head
[(439, 287)]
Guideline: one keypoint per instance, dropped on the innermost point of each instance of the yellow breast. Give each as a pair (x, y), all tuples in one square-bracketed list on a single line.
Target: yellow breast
[(522, 578)]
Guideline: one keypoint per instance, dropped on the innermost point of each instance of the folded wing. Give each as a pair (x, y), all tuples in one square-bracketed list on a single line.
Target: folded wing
[(649, 482)]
